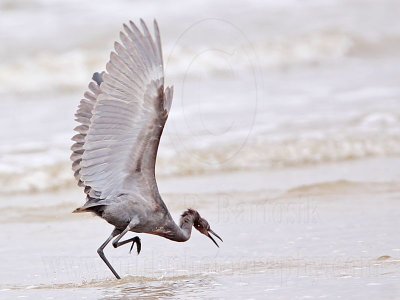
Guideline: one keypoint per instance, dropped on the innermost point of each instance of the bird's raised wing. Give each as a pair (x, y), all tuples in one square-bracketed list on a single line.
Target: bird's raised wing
[(123, 119)]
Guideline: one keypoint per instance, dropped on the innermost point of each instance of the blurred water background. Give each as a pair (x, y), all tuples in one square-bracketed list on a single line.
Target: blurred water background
[(261, 84)]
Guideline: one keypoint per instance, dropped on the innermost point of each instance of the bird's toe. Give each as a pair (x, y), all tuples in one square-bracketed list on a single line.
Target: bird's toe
[(138, 245)]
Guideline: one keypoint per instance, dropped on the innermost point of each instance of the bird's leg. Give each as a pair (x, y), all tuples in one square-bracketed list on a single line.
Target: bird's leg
[(116, 243), (101, 253)]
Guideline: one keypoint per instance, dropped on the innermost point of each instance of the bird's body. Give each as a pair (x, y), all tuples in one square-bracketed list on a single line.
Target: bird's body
[(121, 119)]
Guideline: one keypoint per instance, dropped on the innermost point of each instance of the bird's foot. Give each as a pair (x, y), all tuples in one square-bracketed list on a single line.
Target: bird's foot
[(136, 240)]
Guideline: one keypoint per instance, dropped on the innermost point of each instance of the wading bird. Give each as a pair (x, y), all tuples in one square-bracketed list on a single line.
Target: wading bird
[(121, 121)]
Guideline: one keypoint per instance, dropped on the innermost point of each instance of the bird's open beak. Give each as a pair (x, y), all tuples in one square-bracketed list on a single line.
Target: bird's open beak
[(216, 235)]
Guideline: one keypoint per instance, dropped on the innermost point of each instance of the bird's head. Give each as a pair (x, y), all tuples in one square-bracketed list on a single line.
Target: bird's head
[(201, 225)]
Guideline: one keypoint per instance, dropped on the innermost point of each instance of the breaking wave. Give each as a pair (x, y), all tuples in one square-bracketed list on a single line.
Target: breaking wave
[(48, 167), (69, 71)]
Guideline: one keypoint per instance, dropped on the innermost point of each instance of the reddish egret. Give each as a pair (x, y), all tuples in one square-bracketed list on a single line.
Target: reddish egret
[(121, 121)]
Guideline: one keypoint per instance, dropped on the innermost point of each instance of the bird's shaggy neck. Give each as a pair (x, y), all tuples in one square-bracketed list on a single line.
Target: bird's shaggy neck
[(182, 232)]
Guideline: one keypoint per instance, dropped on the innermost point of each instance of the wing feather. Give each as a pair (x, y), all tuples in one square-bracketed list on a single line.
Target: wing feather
[(83, 116), (121, 121)]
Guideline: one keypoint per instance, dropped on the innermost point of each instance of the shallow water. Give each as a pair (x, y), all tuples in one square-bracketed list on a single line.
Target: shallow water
[(288, 240)]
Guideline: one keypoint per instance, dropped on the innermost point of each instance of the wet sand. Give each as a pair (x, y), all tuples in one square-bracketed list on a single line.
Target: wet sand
[(319, 234)]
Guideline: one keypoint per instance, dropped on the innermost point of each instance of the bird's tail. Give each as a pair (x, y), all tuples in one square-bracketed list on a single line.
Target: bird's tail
[(96, 208), (80, 210)]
